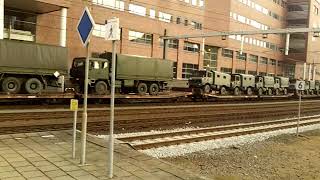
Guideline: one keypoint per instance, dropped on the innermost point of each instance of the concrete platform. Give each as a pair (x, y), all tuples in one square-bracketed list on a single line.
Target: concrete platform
[(48, 156)]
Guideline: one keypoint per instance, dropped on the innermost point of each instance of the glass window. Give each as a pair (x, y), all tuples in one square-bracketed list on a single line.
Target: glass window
[(227, 53), (114, 4), (140, 37), (136, 9), (188, 69), (240, 71), (165, 17), (192, 47), (152, 13), (226, 70), (253, 58), (273, 62), (263, 60), (242, 56), (99, 30), (172, 43)]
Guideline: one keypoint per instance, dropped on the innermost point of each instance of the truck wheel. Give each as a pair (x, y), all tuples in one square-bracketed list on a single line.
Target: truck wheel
[(101, 88), (142, 89), (223, 91), (260, 92), (285, 91), (270, 92), (154, 89), (249, 91), (11, 85), (236, 91), (33, 86), (206, 89), (277, 92)]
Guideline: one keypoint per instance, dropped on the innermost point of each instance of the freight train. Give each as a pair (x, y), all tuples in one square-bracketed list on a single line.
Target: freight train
[(206, 82), (32, 68)]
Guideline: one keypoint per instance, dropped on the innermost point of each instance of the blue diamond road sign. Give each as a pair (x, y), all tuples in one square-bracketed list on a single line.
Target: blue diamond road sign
[(85, 26)]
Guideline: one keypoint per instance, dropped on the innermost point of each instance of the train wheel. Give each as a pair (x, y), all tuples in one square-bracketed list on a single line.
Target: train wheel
[(270, 92), (223, 91), (236, 91), (33, 86), (260, 91), (142, 88), (277, 92), (11, 85), (207, 89), (101, 88), (249, 92), (154, 89)]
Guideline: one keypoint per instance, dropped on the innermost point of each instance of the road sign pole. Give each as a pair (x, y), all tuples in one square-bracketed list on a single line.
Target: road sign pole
[(299, 113), (85, 108), (113, 79), (75, 114)]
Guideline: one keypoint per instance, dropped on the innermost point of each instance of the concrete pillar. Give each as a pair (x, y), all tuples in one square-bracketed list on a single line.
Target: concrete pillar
[(1, 19), (63, 27), (310, 72), (304, 71)]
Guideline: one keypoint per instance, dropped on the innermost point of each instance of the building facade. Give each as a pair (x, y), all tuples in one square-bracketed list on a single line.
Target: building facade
[(143, 22)]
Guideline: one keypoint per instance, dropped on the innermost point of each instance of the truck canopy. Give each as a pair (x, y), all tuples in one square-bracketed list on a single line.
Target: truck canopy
[(31, 58), (143, 68)]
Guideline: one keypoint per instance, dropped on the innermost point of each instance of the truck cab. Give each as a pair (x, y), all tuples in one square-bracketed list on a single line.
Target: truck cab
[(98, 74), (265, 84), (242, 82), (201, 80)]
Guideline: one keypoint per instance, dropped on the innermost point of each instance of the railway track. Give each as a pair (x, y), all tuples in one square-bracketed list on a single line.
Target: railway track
[(142, 142), (135, 119)]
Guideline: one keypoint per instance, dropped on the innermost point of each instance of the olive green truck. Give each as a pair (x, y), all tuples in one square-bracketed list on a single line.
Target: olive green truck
[(136, 74), (31, 68)]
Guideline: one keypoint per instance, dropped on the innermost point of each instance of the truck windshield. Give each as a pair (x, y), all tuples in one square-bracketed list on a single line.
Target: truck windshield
[(199, 74), (78, 63)]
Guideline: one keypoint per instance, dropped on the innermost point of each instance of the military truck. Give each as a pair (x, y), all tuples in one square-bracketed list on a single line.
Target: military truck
[(29, 67), (133, 74), (242, 83), (281, 85), (265, 85), (203, 82)]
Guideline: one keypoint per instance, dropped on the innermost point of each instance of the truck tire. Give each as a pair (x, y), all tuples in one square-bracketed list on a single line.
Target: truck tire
[(285, 91), (249, 92), (101, 88), (277, 92), (223, 91), (236, 91), (270, 92), (11, 85), (206, 89), (154, 89), (260, 92), (142, 89), (33, 86)]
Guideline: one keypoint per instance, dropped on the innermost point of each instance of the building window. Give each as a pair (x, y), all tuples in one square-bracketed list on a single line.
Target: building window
[(252, 72), (316, 10), (210, 57), (136, 9), (165, 17), (99, 30), (242, 56), (178, 20), (175, 69), (192, 47), (172, 43), (152, 13), (196, 25), (140, 37), (114, 4), (273, 62), (226, 70), (188, 69), (240, 71), (186, 22), (253, 58), (263, 60), (262, 73), (227, 53)]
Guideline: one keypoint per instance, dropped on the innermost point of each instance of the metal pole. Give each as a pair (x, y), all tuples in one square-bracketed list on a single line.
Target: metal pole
[(113, 79), (304, 71), (299, 114), (85, 108), (165, 45), (75, 114), (1, 19), (63, 27), (287, 44), (241, 46), (310, 72)]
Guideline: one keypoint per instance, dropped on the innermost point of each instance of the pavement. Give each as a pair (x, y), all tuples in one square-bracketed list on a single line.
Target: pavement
[(47, 155)]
